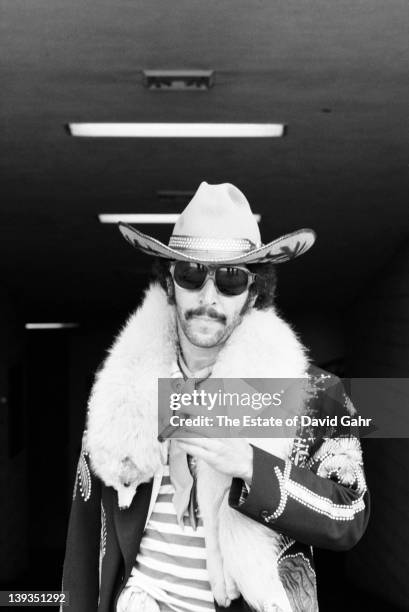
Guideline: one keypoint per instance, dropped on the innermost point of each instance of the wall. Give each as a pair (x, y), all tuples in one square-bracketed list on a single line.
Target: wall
[(13, 441), (379, 347), (323, 334)]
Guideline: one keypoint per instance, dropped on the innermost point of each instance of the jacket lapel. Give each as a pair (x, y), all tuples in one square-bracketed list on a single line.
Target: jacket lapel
[(130, 524)]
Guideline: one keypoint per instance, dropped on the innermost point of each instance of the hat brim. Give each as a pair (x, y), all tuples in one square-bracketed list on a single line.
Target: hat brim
[(280, 250)]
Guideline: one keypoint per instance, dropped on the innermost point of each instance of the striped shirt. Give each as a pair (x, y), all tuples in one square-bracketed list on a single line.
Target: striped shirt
[(171, 563)]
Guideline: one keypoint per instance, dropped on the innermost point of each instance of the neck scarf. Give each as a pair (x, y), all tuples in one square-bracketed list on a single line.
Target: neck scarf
[(181, 465)]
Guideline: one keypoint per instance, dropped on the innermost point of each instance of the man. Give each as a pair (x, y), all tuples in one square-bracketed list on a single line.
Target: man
[(194, 524)]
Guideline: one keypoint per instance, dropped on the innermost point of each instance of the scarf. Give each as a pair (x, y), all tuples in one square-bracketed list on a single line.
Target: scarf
[(181, 465)]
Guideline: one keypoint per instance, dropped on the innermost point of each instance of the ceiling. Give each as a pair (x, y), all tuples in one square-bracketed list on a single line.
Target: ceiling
[(336, 72)]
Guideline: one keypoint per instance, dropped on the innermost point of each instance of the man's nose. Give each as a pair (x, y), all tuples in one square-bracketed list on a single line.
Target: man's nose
[(208, 293)]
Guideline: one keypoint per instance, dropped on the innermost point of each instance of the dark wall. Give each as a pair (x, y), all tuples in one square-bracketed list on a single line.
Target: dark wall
[(45, 378), (13, 451), (379, 347)]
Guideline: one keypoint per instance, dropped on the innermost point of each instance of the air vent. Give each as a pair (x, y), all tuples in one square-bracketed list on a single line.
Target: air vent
[(178, 80), (175, 197)]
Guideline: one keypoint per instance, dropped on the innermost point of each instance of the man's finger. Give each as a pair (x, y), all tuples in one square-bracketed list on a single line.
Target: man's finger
[(191, 433), (196, 451), (208, 443)]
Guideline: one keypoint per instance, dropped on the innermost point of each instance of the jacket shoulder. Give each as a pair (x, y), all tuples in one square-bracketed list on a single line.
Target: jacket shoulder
[(328, 395)]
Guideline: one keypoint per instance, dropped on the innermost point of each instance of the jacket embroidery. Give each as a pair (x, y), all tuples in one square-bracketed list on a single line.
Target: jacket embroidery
[(323, 505), (300, 451), (285, 543), (341, 457), (83, 476), (283, 478), (102, 540)]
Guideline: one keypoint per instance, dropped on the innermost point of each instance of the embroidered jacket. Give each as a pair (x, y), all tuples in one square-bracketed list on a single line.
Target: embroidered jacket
[(315, 497)]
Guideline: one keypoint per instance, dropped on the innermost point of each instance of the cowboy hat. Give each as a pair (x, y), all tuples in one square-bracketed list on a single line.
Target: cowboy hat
[(217, 226)]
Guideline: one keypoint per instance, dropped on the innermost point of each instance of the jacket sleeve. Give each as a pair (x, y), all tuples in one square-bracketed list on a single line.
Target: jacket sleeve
[(325, 503), (81, 563)]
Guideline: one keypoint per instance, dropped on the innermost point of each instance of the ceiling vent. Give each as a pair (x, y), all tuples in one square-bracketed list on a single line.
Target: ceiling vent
[(178, 80), (174, 197)]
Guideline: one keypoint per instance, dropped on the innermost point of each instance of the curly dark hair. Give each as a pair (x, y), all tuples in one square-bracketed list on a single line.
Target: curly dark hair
[(264, 286)]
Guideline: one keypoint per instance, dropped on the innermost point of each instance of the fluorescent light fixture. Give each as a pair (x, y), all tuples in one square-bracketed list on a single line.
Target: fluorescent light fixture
[(147, 218), (50, 325), (176, 130), (140, 218)]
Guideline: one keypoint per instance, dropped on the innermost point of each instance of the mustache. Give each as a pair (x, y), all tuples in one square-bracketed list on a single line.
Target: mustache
[(204, 311)]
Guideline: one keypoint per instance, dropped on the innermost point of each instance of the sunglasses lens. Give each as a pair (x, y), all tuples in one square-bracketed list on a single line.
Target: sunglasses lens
[(231, 281), (189, 275)]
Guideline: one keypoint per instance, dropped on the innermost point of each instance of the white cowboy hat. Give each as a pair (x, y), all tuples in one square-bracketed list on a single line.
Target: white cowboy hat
[(217, 226)]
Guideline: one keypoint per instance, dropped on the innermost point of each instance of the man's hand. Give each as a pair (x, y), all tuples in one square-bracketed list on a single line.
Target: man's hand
[(232, 456)]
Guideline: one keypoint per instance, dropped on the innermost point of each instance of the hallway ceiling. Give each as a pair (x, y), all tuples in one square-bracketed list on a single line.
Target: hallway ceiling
[(336, 73)]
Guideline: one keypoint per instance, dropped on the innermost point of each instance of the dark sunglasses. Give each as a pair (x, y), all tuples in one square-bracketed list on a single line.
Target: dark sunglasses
[(229, 280)]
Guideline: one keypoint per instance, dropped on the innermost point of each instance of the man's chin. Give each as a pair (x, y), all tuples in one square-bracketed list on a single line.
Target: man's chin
[(205, 338)]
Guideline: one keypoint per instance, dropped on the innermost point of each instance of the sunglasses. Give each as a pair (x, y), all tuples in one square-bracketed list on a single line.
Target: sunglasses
[(229, 280)]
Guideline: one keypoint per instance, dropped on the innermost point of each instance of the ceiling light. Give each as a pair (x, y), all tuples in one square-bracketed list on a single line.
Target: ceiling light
[(139, 218), (146, 218), (178, 80), (176, 130), (50, 325)]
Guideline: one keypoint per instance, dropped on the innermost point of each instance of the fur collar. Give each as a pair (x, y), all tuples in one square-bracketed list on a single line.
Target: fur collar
[(122, 412)]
